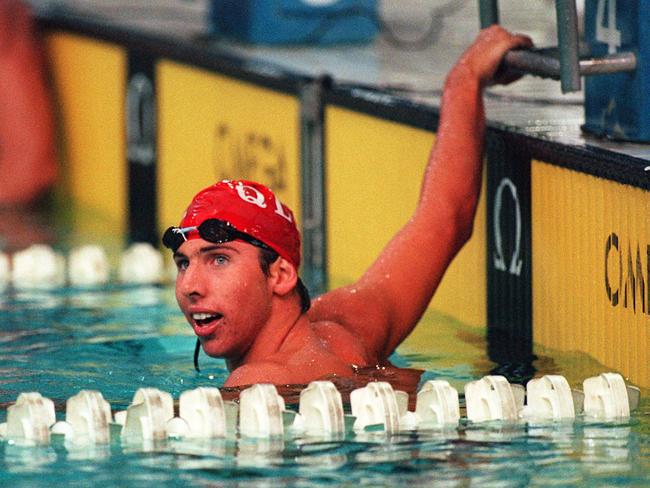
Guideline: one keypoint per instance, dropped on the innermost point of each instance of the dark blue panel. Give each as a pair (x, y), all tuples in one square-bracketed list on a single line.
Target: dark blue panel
[(618, 105), (295, 21)]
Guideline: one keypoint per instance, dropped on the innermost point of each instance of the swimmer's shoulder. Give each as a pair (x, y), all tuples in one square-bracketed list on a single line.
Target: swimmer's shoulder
[(343, 343), (259, 372), (299, 367)]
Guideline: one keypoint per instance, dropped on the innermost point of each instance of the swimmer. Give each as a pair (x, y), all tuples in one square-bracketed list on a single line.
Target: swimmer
[(237, 250)]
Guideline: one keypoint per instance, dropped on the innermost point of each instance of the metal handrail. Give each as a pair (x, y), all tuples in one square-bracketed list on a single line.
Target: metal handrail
[(488, 12), (547, 64), (567, 39), (562, 63)]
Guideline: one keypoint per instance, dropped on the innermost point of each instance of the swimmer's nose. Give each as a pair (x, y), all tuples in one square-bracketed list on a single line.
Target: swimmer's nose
[(191, 283)]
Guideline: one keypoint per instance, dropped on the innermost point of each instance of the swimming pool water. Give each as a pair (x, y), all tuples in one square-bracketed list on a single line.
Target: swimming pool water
[(118, 339)]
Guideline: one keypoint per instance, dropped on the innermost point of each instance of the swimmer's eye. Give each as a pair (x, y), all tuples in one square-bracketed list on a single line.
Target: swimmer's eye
[(181, 264), (220, 259)]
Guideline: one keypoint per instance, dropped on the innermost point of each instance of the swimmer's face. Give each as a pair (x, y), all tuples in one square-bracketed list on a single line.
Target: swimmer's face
[(223, 293)]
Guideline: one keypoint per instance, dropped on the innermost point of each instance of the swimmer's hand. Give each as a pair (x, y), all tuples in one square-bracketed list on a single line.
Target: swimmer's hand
[(483, 58)]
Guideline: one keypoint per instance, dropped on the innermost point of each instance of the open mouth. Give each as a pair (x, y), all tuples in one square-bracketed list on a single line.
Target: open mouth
[(202, 321)]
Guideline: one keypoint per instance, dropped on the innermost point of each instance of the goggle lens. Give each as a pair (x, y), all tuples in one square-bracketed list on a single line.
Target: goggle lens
[(211, 230)]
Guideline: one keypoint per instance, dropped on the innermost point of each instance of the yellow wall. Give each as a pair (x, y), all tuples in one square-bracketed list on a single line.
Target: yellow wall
[(374, 170), (89, 79), (573, 217), (213, 127)]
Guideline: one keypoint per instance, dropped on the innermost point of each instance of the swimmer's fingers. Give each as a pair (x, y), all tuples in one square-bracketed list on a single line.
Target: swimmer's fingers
[(484, 56), (505, 75)]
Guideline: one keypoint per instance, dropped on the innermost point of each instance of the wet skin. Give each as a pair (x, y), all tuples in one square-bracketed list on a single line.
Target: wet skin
[(226, 282), (254, 321)]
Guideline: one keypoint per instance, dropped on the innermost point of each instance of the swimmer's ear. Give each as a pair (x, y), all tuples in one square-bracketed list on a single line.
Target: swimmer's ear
[(283, 276)]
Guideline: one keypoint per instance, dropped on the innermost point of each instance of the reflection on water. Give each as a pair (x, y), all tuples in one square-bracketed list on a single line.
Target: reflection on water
[(117, 339), (607, 450), (26, 459)]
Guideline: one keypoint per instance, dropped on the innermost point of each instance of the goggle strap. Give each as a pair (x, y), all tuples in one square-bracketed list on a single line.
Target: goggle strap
[(197, 349), (183, 230)]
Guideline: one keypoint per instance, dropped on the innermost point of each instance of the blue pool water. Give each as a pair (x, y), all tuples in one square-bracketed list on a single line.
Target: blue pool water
[(118, 339)]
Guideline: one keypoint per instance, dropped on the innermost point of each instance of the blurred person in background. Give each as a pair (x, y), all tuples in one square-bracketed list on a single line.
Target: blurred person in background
[(28, 163)]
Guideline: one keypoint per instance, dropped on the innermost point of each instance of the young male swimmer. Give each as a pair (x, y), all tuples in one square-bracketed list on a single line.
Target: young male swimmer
[(237, 250)]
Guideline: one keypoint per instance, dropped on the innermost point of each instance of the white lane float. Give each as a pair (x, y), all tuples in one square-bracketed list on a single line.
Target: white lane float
[(607, 397), (260, 412), (437, 404), (38, 267), (491, 398), (320, 410), (29, 420), (262, 415), (141, 264), (87, 419), (376, 404), (147, 416), (88, 266), (204, 412), (549, 398)]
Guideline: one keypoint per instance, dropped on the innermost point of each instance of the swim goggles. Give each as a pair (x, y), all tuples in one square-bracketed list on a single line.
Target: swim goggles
[(211, 230)]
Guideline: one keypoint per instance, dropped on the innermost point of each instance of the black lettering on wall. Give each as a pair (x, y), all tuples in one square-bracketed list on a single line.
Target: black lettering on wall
[(250, 155), (633, 279), (612, 242)]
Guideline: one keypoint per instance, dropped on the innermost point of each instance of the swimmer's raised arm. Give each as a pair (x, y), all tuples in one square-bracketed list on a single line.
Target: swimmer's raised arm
[(384, 306)]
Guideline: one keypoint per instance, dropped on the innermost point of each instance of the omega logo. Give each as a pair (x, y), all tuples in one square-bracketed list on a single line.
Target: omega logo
[(624, 275), (249, 155), (515, 262), (140, 120)]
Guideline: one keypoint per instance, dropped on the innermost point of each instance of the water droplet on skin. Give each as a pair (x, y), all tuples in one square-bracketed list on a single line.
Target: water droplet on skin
[(353, 290)]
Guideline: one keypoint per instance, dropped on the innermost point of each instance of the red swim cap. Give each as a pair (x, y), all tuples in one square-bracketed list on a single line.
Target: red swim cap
[(251, 208)]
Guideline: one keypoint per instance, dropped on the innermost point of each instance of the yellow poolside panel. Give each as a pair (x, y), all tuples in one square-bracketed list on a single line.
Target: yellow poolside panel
[(213, 127), (374, 172), (89, 79), (591, 268)]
